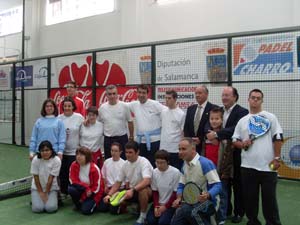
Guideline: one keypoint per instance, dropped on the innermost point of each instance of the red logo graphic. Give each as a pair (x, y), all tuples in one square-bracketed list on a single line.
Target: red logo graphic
[(106, 73)]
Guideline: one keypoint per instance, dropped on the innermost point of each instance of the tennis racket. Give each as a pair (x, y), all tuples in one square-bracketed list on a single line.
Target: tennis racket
[(191, 193), (258, 126)]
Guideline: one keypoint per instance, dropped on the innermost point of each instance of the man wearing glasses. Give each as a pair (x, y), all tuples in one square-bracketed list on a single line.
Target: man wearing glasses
[(260, 161), (72, 92), (117, 120)]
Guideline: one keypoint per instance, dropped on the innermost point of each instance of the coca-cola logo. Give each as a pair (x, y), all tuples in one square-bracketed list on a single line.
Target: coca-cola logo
[(84, 93), (106, 73), (126, 94)]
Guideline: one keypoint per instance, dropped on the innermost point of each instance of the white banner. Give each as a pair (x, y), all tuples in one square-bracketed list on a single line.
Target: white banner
[(189, 62), (265, 57), (5, 72)]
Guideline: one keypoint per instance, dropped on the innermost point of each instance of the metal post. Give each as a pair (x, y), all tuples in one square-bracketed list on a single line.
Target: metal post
[(22, 84), (153, 69), (229, 61), (48, 77), (13, 119), (94, 58)]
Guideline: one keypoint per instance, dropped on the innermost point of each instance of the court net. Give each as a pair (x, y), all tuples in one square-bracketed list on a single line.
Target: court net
[(15, 188)]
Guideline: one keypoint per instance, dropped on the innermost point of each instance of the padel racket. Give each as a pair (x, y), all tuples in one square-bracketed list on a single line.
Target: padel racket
[(258, 126), (191, 193), (190, 196), (117, 198)]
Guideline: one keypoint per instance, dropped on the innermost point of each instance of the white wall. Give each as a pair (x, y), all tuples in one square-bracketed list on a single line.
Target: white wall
[(137, 21)]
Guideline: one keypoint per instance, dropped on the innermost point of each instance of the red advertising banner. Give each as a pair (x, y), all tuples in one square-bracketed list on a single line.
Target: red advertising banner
[(126, 94)]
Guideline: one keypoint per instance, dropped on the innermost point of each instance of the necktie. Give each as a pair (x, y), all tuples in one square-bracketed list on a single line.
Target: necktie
[(197, 118)]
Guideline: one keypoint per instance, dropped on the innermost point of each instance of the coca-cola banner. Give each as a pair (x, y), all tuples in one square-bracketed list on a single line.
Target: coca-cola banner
[(122, 67), (76, 68), (189, 62), (126, 94), (127, 66), (84, 93)]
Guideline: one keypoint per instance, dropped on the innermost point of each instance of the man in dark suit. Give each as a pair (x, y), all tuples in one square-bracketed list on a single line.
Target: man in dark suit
[(233, 112), (197, 116)]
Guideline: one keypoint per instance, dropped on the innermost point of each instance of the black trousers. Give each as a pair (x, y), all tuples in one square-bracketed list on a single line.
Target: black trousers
[(149, 154), (109, 140), (238, 202), (254, 180), (66, 162)]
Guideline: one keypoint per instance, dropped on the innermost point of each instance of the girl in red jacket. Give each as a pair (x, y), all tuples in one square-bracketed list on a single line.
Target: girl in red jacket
[(86, 188)]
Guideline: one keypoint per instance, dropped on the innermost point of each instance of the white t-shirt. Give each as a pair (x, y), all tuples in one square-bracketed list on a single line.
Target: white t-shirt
[(135, 172), (172, 127), (115, 118), (90, 136), (84, 173), (261, 152), (111, 170), (72, 125), (147, 116), (45, 168), (165, 182)]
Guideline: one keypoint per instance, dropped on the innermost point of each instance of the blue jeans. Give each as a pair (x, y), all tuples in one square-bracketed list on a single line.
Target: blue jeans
[(164, 219), (183, 216), (222, 212)]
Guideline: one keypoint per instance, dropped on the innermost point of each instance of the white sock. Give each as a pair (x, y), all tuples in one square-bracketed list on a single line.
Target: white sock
[(141, 218), (143, 214)]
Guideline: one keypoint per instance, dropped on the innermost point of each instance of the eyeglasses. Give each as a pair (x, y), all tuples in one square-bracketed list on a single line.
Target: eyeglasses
[(256, 98), (70, 86)]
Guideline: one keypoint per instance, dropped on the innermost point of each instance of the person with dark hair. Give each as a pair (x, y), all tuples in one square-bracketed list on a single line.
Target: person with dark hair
[(72, 122), (72, 92), (172, 120), (91, 135), (203, 173), (110, 172), (117, 121), (137, 173), (86, 186), (164, 184), (197, 116), (147, 114), (215, 124), (233, 112), (260, 161), (45, 168), (48, 127)]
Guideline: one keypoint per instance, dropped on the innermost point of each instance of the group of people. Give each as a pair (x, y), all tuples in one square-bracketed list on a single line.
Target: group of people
[(208, 145)]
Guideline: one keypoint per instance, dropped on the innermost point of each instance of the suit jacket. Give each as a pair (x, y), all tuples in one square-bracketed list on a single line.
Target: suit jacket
[(189, 121), (236, 114)]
